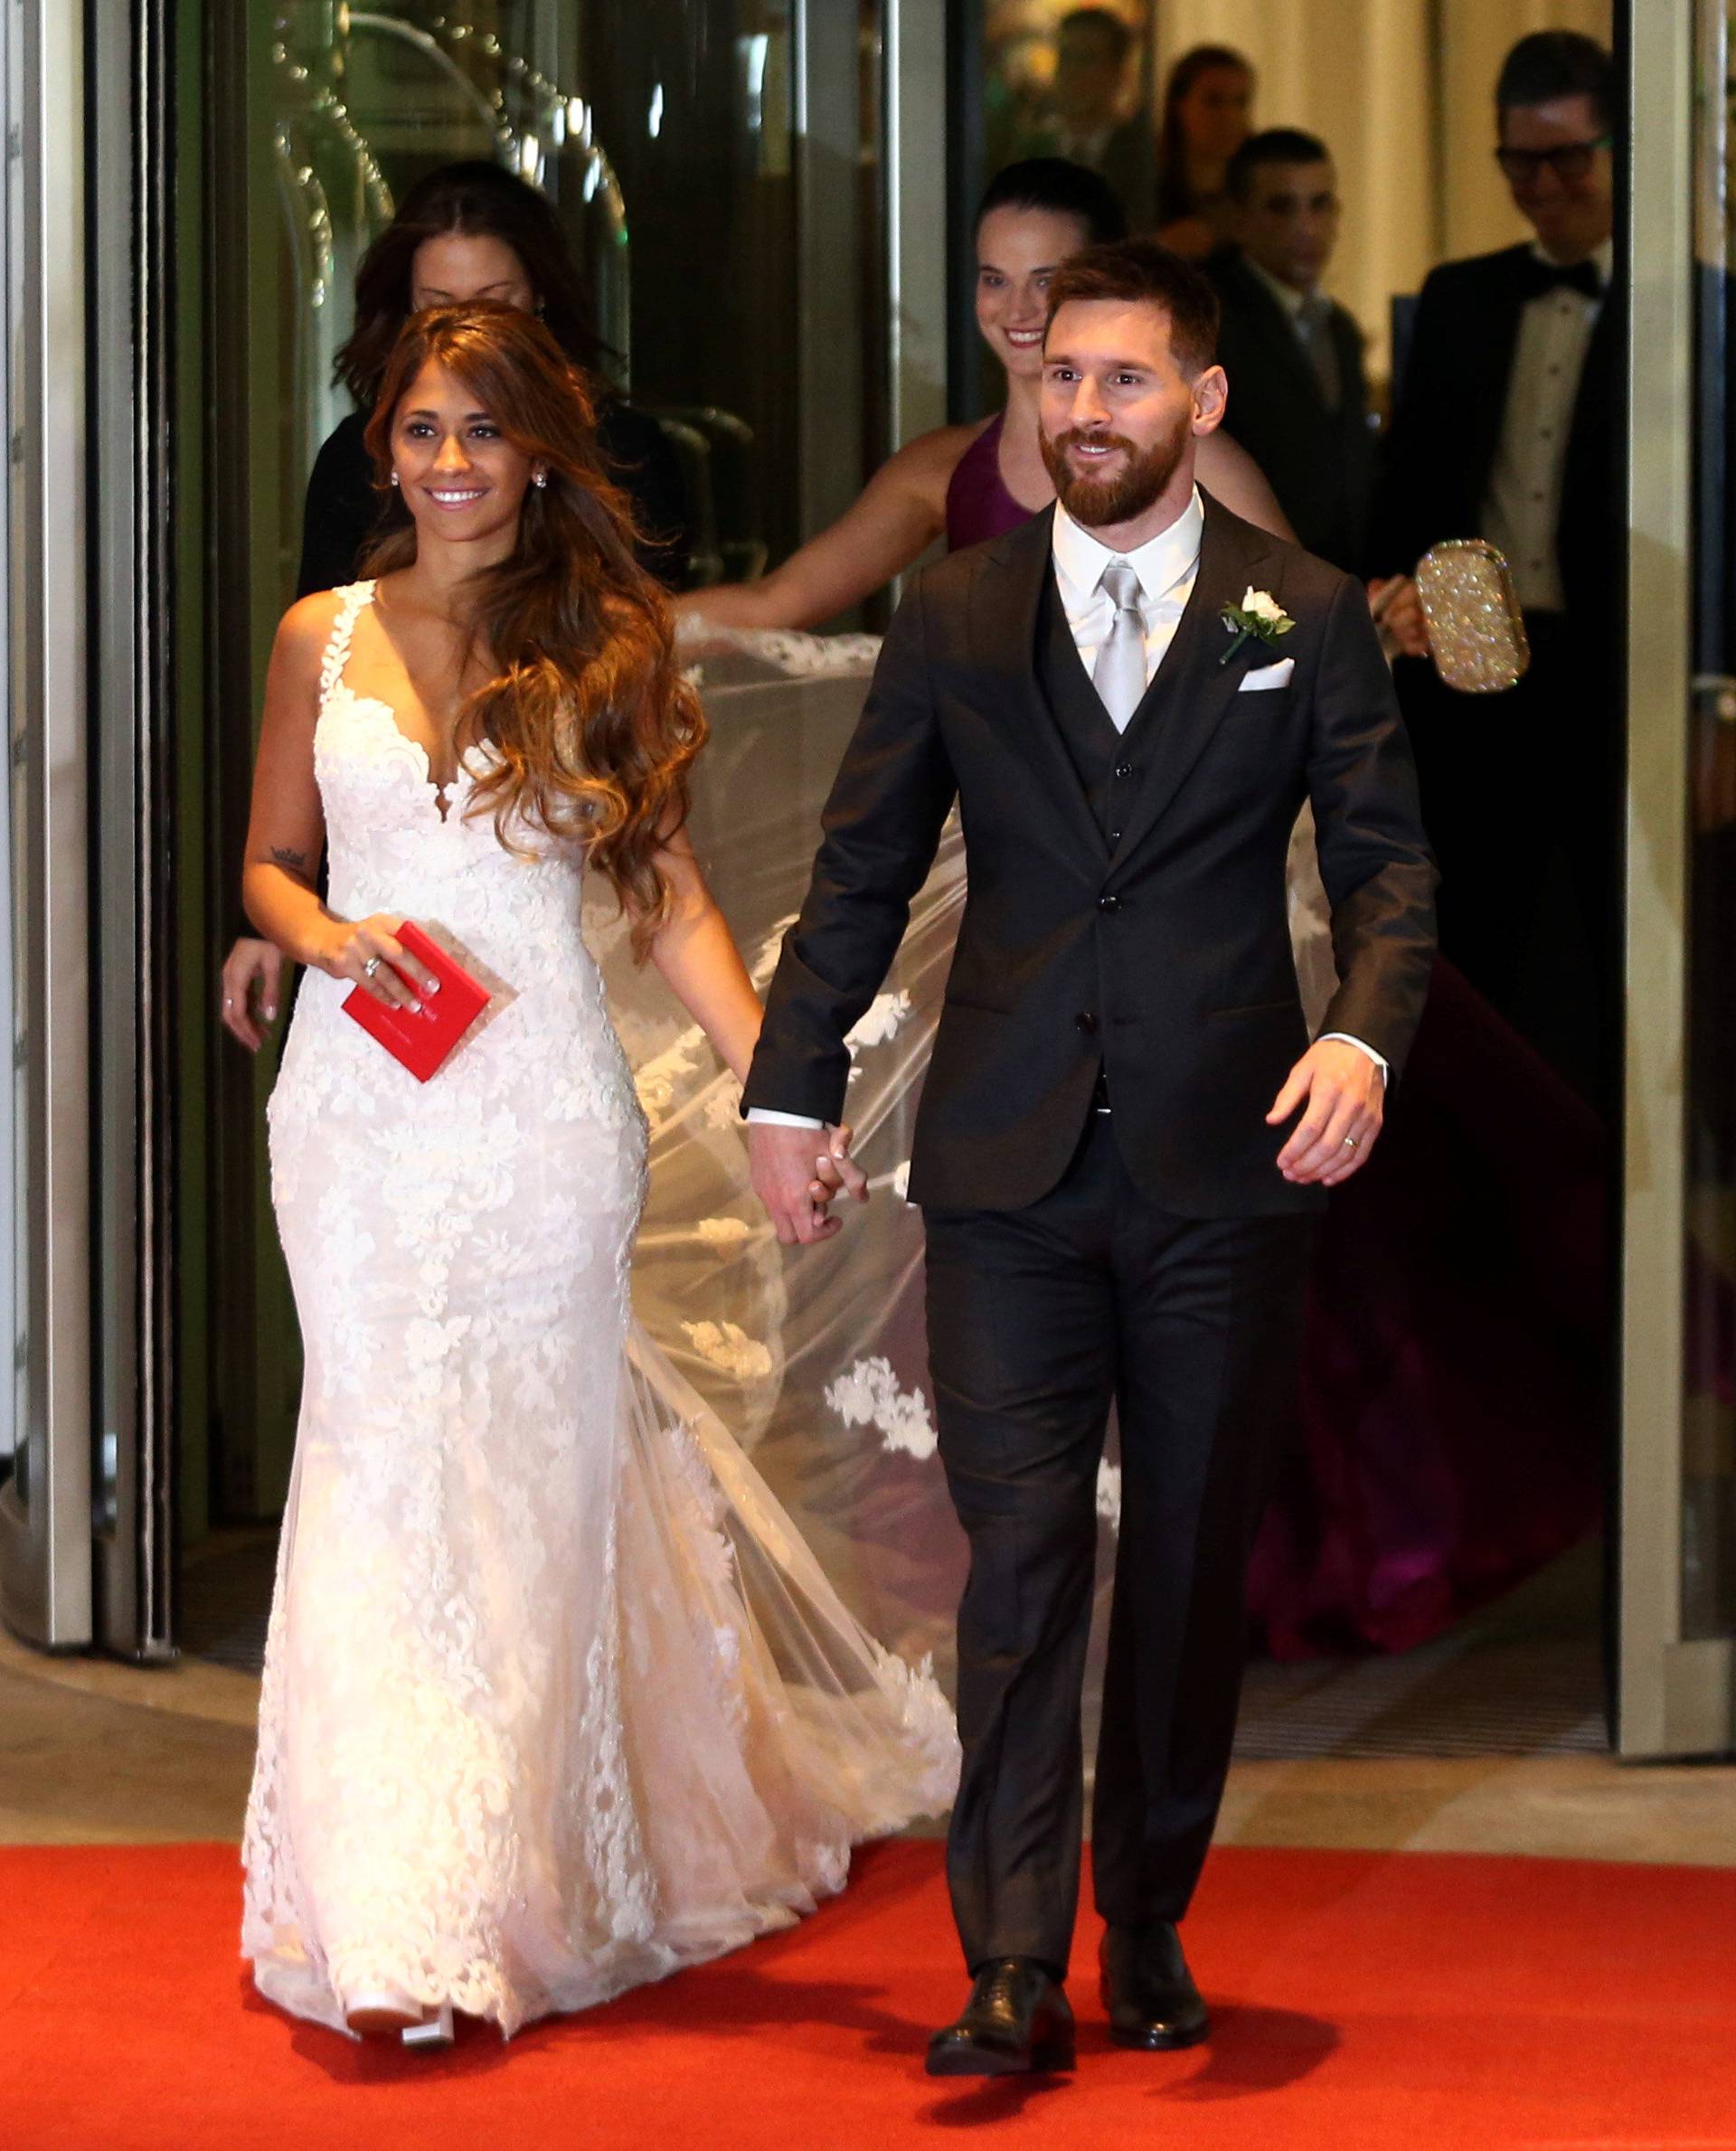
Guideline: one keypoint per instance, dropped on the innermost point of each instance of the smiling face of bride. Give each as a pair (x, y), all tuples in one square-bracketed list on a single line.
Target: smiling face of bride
[(463, 481), (592, 725)]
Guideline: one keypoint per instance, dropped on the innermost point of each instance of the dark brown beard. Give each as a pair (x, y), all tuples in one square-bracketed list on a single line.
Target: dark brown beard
[(1098, 503)]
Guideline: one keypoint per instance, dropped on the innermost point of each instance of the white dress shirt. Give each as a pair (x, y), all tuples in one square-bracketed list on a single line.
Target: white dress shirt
[(1167, 566), (1309, 314), (1523, 507), (1083, 146), (1287, 295)]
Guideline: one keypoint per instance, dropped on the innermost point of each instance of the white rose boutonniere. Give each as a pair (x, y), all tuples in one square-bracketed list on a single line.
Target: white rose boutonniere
[(1260, 617)]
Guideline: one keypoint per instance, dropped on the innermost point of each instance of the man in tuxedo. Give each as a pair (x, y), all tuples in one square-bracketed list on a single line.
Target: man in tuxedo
[(1125, 1133), (1508, 425), (1298, 399)]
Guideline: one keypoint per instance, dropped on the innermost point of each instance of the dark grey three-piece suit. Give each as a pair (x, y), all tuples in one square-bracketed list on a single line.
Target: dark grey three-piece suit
[(1125, 942)]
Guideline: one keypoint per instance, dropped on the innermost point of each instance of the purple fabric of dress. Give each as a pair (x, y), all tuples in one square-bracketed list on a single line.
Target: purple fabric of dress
[(1453, 1373), (1454, 1362), (978, 504)]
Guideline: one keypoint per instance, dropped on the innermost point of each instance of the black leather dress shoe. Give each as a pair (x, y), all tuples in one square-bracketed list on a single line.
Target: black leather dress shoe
[(1149, 1990), (1016, 2022)]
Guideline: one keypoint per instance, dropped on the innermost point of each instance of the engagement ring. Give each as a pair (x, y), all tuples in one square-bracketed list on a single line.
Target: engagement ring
[(371, 967)]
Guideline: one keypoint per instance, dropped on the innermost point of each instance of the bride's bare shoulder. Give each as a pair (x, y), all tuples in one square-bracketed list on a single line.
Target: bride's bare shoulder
[(305, 629)]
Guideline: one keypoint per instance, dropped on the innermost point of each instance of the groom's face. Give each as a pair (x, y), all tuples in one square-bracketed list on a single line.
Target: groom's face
[(1120, 411)]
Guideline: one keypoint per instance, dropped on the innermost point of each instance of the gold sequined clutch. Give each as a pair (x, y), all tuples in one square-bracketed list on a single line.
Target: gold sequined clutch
[(1477, 632)]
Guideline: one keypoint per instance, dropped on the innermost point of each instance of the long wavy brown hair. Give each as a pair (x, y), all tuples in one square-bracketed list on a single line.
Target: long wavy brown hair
[(592, 727)]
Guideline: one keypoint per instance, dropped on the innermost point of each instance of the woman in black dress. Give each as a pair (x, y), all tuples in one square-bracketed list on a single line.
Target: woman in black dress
[(468, 231)]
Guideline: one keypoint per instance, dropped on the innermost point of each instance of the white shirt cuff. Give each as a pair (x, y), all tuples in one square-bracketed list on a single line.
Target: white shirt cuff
[(1343, 1038)]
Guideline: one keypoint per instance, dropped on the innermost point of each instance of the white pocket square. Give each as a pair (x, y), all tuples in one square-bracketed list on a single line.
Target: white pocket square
[(1268, 676)]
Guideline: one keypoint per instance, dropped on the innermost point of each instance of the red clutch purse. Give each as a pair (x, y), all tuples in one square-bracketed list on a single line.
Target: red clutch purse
[(423, 1042)]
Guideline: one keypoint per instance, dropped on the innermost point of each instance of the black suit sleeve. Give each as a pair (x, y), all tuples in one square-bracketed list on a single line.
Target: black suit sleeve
[(1374, 858), (1405, 509), (881, 825), (637, 455)]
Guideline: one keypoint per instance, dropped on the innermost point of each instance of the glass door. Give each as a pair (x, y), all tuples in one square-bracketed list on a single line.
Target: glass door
[(718, 167), (1677, 1547), (46, 1428)]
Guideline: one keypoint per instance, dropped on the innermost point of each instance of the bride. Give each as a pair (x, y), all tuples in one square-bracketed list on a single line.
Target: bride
[(555, 1698)]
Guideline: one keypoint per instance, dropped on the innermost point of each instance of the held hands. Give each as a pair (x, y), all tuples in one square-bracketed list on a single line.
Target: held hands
[(251, 967), (1395, 606), (1346, 1095), (796, 1183), (368, 952)]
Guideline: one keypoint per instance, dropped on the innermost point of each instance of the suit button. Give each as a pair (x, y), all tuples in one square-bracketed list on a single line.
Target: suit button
[(1109, 903), (1124, 769), (1087, 1022), (1115, 835)]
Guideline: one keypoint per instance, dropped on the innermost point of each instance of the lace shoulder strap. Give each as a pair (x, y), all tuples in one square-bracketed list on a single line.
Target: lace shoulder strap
[(352, 598)]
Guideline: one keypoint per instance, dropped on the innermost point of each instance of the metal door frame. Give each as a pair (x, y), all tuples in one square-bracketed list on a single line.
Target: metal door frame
[(132, 305), (916, 214), (1674, 1698), (45, 1524)]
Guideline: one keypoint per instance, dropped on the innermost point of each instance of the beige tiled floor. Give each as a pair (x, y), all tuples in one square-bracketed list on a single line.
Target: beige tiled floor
[(92, 1754), (97, 1753)]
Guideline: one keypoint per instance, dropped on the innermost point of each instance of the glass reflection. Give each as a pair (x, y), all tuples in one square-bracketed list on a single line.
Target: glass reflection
[(662, 135), (682, 115)]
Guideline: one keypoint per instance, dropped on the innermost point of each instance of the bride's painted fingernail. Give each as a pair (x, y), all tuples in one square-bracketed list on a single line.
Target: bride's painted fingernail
[(415, 1008), (433, 986)]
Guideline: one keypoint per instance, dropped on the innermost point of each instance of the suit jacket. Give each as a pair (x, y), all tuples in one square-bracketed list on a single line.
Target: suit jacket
[(1446, 420), (1319, 461), (1163, 960), (1127, 162)]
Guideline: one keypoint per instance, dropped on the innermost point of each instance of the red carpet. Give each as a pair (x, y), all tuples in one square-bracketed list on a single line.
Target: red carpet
[(1364, 2003)]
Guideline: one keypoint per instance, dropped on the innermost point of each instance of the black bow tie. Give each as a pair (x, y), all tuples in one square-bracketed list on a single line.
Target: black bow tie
[(1542, 276)]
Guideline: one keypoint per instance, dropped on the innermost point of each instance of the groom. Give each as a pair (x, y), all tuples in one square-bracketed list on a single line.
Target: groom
[(1124, 1132)]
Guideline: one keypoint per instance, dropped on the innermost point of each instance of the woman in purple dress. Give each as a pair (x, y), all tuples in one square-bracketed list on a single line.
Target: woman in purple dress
[(970, 482)]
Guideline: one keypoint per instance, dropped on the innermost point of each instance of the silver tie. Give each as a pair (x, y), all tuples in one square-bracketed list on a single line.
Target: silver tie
[(1119, 673)]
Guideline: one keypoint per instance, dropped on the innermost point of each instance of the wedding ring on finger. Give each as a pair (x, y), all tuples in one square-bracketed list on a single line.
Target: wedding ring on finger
[(371, 967), (1350, 1142)]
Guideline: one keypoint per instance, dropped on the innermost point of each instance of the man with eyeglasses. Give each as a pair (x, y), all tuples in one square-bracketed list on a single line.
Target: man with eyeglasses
[(1507, 426)]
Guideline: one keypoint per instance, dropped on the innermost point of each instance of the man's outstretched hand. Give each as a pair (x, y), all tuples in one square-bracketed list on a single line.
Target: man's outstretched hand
[(1345, 1093), (796, 1173)]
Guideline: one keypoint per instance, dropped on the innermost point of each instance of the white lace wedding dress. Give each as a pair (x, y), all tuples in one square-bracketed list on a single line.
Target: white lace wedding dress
[(555, 1698)]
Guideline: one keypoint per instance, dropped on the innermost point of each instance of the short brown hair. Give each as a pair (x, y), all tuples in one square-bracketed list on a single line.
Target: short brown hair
[(1552, 63), (1140, 272)]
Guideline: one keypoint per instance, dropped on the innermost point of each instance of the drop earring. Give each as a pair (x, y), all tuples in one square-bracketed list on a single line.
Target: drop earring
[(394, 477), (539, 478)]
